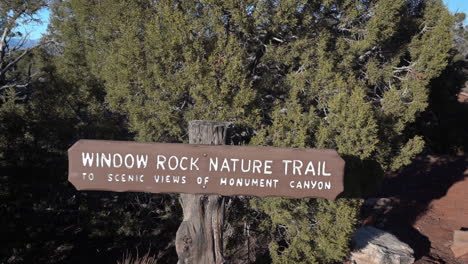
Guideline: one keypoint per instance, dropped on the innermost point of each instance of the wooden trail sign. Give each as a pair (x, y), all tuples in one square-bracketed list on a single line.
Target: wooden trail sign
[(204, 172), (203, 169)]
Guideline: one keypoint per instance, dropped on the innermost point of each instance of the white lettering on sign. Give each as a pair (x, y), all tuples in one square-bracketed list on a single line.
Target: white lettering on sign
[(310, 169), (242, 166), (310, 185), (297, 165), (286, 162), (160, 162), (248, 182), (174, 163), (193, 164), (125, 178), (130, 161), (297, 168), (87, 159), (182, 162), (267, 168), (246, 166), (170, 179), (115, 160), (324, 173), (179, 168)]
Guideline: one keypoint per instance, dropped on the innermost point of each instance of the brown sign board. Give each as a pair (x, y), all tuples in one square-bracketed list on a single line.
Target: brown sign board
[(205, 169)]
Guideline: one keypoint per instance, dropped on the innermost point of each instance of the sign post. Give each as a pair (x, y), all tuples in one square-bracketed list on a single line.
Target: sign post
[(204, 171), (199, 238)]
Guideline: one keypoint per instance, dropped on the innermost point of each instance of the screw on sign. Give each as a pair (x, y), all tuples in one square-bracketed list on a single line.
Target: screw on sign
[(204, 172)]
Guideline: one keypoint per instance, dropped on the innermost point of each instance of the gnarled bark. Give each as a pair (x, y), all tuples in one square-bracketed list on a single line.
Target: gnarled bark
[(199, 239)]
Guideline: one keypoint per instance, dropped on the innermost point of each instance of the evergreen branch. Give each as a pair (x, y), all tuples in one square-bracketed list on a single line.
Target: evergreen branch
[(3, 40), (14, 85), (7, 29), (277, 39), (15, 61), (400, 78), (426, 28), (408, 68)]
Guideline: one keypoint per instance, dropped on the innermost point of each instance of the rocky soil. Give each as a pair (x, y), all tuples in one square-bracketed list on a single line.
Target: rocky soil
[(425, 203)]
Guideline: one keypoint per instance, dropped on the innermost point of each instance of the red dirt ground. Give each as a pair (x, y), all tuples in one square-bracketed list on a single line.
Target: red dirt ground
[(443, 217), (429, 200)]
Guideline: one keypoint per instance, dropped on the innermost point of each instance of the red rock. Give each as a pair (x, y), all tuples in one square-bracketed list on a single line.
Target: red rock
[(460, 243)]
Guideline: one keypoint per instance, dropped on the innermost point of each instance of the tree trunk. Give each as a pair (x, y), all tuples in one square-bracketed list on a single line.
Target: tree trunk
[(199, 239)]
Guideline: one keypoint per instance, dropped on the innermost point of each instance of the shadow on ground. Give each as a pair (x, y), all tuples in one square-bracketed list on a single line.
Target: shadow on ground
[(411, 191)]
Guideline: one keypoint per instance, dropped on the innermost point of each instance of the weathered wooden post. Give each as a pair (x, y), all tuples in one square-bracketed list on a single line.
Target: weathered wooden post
[(199, 239)]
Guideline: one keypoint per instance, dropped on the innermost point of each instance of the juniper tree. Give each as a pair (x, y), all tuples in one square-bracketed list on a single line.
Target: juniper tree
[(17, 72), (352, 75), (444, 123), (359, 72), (49, 98), (164, 63), (13, 14)]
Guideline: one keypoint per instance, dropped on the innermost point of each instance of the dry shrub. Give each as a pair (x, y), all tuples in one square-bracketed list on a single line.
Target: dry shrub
[(145, 259)]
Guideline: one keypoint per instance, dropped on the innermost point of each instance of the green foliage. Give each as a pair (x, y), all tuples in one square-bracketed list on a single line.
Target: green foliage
[(14, 75), (287, 218), (351, 75), (445, 122), (407, 152), (356, 85), (334, 224), (11, 124), (17, 73), (309, 230), (38, 129), (352, 124), (163, 64)]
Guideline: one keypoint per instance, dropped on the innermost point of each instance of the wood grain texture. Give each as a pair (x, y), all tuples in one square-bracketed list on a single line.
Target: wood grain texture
[(200, 238)]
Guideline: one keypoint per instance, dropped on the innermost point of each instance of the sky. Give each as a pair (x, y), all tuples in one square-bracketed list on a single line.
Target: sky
[(457, 6), (37, 29)]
